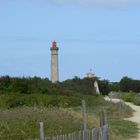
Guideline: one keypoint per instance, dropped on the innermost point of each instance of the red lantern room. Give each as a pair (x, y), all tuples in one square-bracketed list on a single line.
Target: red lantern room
[(54, 45)]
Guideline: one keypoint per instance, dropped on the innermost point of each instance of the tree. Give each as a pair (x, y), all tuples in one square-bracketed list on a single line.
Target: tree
[(128, 84), (114, 86), (104, 86), (5, 82)]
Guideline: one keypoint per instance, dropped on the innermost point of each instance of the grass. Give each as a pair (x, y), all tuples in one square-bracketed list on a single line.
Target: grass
[(131, 97), (24, 122), (123, 129), (60, 114)]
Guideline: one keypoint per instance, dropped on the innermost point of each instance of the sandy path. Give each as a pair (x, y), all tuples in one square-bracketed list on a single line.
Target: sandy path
[(135, 117), (136, 114)]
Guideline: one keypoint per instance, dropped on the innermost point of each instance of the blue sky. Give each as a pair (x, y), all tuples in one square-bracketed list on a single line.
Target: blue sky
[(103, 35)]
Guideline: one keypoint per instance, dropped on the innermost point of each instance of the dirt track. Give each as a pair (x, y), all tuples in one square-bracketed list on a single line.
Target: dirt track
[(136, 114)]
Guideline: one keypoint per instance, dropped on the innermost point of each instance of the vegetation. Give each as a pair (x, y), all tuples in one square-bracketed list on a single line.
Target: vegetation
[(13, 100), (24, 102), (123, 129), (128, 84), (75, 86), (131, 97), (22, 122)]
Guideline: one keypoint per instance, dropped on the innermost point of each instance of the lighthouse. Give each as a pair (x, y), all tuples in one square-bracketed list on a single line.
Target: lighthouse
[(54, 63)]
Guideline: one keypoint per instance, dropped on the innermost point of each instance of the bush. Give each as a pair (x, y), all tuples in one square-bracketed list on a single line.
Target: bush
[(136, 100), (12, 100), (131, 97), (128, 96)]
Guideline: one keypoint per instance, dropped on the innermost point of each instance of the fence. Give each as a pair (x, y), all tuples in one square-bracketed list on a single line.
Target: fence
[(101, 133)]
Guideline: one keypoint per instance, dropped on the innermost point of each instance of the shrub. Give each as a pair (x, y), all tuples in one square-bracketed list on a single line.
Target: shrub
[(131, 97), (12, 100), (128, 96)]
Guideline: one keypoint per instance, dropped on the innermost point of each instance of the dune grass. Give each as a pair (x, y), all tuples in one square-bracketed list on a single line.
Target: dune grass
[(22, 122), (131, 97), (123, 129)]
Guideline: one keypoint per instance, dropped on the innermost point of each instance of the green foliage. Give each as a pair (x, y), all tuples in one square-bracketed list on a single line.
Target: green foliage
[(114, 86), (26, 101), (129, 84), (25, 120), (136, 100), (75, 86), (128, 96), (104, 87), (131, 97), (16, 99), (23, 85), (4, 83)]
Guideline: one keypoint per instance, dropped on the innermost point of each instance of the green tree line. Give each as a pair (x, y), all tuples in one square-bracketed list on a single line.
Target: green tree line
[(75, 86), (29, 85)]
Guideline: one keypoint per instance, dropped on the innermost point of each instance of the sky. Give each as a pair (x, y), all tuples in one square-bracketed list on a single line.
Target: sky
[(102, 35)]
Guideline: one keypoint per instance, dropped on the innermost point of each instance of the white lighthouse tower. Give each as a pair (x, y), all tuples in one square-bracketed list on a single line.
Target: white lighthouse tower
[(54, 63)]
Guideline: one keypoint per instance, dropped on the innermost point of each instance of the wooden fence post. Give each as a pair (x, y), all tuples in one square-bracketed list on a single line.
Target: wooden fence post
[(41, 124), (84, 115), (103, 118), (95, 134), (103, 131)]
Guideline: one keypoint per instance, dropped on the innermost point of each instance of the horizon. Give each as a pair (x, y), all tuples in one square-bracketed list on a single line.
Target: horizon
[(103, 36)]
